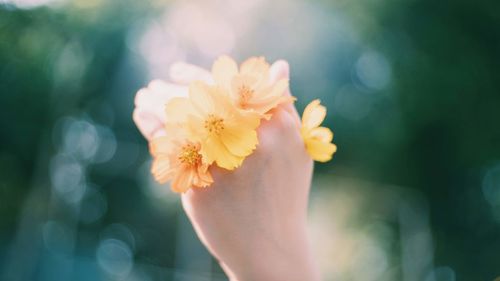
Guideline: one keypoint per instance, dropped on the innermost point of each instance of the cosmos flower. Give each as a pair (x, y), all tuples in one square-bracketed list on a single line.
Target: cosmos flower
[(250, 86), (207, 119), (226, 134), (178, 160), (318, 140)]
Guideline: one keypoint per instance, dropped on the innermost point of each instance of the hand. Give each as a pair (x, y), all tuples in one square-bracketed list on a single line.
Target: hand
[(253, 219), (149, 113)]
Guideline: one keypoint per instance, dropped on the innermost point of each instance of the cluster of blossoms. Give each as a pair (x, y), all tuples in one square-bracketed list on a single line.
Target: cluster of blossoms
[(216, 124)]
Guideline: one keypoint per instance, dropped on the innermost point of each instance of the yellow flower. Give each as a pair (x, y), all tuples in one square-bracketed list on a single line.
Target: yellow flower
[(179, 160), (317, 139), (250, 87), (226, 134)]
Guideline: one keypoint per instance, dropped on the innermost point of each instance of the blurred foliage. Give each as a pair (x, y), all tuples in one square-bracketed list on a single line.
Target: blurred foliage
[(447, 96), (434, 128), (30, 46)]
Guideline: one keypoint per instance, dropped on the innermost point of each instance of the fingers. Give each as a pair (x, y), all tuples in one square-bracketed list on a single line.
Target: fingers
[(184, 73), (281, 126), (151, 101), (163, 91), (281, 70), (149, 113), (149, 124), (154, 98), (147, 101)]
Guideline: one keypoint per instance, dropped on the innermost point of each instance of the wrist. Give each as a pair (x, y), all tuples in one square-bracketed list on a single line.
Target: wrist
[(290, 258)]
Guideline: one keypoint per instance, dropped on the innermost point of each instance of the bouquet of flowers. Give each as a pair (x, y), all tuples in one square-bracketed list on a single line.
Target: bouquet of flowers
[(216, 123)]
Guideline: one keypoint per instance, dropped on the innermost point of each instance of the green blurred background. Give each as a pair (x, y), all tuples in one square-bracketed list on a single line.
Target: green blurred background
[(413, 93)]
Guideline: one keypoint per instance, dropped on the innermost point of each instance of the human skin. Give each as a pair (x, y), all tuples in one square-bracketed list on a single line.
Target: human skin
[(252, 219)]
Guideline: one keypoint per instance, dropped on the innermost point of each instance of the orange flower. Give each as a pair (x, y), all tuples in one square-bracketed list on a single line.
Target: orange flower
[(250, 87), (179, 160), (226, 134), (317, 139)]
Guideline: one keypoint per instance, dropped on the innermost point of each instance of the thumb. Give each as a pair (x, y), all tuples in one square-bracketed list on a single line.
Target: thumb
[(281, 70)]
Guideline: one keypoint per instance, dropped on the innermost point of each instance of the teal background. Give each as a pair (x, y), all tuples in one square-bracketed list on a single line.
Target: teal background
[(413, 96)]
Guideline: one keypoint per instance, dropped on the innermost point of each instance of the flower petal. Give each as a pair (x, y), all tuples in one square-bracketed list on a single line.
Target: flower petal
[(277, 90), (267, 99), (178, 109), (201, 96), (162, 170), (314, 114), (204, 178), (322, 134), (244, 118), (183, 180), (223, 70), (160, 145), (255, 65), (213, 150), (240, 140), (240, 81), (320, 151)]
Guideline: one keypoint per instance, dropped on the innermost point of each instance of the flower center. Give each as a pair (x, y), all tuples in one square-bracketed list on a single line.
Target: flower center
[(214, 124), (245, 94), (189, 155)]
